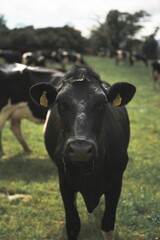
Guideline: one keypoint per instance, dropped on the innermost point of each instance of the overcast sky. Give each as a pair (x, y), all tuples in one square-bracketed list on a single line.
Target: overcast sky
[(80, 14)]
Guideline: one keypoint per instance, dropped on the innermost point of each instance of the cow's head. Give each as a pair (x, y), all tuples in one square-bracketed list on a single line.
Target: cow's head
[(81, 104)]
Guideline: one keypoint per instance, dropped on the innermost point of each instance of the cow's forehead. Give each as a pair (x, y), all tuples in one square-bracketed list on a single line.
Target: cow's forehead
[(81, 89)]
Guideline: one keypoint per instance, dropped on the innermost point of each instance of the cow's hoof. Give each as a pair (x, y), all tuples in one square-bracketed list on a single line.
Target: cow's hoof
[(108, 235), (1, 154), (28, 151)]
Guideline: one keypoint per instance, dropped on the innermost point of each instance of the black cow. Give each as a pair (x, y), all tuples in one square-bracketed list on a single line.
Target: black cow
[(15, 101), (87, 135), (156, 72), (140, 57), (10, 56)]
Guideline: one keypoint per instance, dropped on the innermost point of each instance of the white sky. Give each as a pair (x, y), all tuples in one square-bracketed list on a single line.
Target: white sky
[(80, 14)]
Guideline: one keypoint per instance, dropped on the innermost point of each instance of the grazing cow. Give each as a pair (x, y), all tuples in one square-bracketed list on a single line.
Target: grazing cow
[(10, 56), (87, 135), (156, 72), (15, 101), (64, 57), (140, 57), (121, 57)]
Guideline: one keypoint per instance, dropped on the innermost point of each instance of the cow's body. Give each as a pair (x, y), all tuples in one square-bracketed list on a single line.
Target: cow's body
[(64, 57), (15, 102), (10, 56), (121, 57), (141, 57), (33, 59), (87, 138), (156, 73)]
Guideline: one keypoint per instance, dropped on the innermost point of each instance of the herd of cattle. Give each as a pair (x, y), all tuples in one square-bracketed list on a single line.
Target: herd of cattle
[(86, 130), (39, 58), (130, 58)]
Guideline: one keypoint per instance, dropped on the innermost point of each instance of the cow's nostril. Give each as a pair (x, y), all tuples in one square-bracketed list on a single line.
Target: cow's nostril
[(71, 149), (80, 150), (89, 150)]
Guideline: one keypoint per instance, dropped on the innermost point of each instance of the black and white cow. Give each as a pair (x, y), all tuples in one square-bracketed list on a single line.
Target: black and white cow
[(87, 135), (121, 57), (33, 59), (15, 102), (64, 57), (138, 57), (156, 73)]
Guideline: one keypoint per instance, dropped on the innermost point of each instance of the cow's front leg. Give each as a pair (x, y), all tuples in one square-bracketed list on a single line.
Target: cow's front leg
[(109, 217), (72, 217), (108, 235)]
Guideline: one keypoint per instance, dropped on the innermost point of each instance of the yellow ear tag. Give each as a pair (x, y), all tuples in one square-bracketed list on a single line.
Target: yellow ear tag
[(43, 99), (117, 101)]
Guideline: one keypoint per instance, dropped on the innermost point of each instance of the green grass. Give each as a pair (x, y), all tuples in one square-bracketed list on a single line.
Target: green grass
[(42, 216)]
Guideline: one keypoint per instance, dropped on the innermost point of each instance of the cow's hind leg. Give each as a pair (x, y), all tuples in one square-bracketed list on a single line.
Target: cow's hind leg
[(109, 217), (16, 129), (72, 217)]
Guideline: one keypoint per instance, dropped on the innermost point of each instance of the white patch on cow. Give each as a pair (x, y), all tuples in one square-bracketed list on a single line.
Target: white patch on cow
[(18, 67), (119, 54), (78, 55), (108, 235), (46, 121), (65, 53), (25, 57)]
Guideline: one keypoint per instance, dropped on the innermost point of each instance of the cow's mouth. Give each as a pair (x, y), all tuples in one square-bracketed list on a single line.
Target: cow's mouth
[(86, 168)]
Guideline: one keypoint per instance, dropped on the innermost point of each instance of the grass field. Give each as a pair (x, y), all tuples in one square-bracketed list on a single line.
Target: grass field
[(41, 215)]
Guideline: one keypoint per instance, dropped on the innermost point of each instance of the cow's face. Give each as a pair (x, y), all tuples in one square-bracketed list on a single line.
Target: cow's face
[(81, 105)]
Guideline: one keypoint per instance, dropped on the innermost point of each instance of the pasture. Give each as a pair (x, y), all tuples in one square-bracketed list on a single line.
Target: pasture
[(39, 214)]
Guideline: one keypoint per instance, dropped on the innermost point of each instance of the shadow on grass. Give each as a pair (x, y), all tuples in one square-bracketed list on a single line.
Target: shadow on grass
[(28, 169)]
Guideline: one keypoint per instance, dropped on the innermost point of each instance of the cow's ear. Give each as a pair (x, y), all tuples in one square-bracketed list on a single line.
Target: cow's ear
[(120, 93), (43, 94)]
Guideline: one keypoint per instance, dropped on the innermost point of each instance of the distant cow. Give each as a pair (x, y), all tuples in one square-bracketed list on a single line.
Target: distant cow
[(156, 72), (64, 57), (140, 57), (15, 101), (87, 136), (10, 56), (121, 57), (33, 59)]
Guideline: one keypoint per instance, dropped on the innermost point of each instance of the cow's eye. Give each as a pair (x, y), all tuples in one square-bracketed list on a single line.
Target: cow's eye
[(61, 108), (100, 107)]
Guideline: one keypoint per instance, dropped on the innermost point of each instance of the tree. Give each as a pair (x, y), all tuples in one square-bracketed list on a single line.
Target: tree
[(98, 39), (121, 27), (3, 27)]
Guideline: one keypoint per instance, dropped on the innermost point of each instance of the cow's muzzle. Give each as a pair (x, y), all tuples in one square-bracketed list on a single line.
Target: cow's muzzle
[(80, 151)]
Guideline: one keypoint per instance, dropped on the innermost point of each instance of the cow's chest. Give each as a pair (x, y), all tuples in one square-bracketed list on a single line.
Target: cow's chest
[(91, 186)]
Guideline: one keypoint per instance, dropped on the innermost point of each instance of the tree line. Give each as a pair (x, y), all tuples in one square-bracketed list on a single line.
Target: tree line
[(118, 31)]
